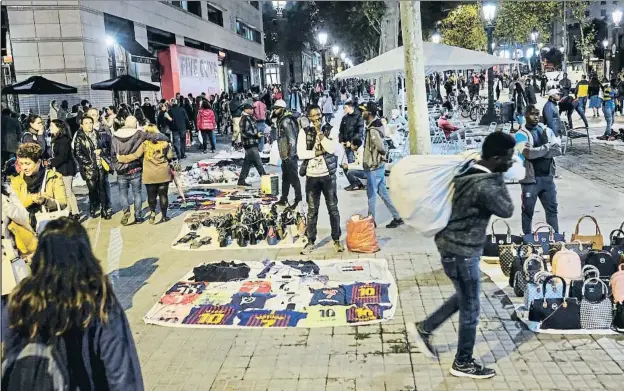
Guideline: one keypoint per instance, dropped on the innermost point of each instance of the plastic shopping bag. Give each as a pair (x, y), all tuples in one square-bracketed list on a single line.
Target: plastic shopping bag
[(361, 236), (517, 172), (274, 156), (421, 188)]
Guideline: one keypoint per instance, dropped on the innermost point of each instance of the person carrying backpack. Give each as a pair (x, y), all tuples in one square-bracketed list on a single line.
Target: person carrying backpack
[(63, 327)]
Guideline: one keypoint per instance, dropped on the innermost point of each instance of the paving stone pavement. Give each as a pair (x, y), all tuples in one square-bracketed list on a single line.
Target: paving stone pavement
[(605, 165)]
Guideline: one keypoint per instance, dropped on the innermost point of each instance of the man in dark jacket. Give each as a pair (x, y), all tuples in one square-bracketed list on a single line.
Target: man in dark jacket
[(250, 137), (178, 128), (319, 166), (565, 84), (351, 126), (149, 110), (480, 192), (569, 104), (530, 92), (11, 135), (550, 112), (93, 157), (287, 131), (236, 108)]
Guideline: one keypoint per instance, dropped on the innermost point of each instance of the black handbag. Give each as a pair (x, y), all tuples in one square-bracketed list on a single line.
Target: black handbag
[(618, 317), (616, 248), (576, 286), (559, 314), (617, 236), (582, 249), (544, 239), (604, 261), (490, 247)]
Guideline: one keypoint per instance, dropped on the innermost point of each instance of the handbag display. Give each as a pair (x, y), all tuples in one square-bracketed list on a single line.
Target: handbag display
[(595, 308), (596, 240), (544, 239), (575, 287), (617, 285), (618, 238), (494, 240), (566, 264), (582, 249), (530, 267), (507, 256), (618, 317), (558, 314), (603, 261), (534, 289)]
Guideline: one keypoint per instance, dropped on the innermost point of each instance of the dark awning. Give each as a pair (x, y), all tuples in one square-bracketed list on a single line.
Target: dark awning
[(124, 83), (137, 52), (38, 85)]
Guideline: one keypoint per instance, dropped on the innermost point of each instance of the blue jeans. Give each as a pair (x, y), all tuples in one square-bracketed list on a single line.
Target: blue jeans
[(125, 182), (544, 188), (354, 176), (177, 143), (350, 155), (608, 111), (465, 276), (261, 125), (582, 100), (377, 185)]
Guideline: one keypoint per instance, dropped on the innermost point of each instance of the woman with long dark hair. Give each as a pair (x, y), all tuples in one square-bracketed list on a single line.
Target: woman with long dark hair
[(62, 161), (68, 302)]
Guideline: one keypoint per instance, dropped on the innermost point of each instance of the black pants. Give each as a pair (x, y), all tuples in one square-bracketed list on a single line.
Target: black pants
[(544, 188), (207, 135), (98, 196), (252, 157), (327, 186), (158, 190), (290, 178), (543, 90), (178, 139)]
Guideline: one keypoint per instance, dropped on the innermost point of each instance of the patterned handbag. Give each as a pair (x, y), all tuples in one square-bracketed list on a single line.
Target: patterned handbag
[(582, 249), (534, 289), (508, 253), (531, 266), (493, 241), (596, 314), (544, 239), (575, 288)]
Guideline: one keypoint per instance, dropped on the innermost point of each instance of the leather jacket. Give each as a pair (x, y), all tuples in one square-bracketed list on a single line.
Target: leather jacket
[(84, 152), (287, 132), (249, 131)]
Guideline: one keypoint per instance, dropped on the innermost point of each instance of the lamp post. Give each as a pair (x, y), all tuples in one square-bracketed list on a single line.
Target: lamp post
[(534, 35), (335, 52), (279, 7), (605, 70), (322, 39), (489, 13), (617, 18)]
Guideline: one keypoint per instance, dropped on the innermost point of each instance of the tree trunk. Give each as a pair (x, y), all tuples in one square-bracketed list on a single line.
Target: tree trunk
[(418, 123), (388, 40)]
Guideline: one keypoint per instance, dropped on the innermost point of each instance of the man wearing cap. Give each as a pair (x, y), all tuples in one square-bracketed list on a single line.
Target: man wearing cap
[(375, 156), (351, 126), (250, 137), (319, 166), (287, 130), (551, 112)]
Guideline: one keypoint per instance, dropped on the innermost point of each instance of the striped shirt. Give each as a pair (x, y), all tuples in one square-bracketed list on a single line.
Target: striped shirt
[(266, 318), (366, 293), (211, 315)]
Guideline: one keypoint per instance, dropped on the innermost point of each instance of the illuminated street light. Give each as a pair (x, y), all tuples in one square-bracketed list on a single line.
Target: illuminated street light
[(489, 12), (110, 41), (279, 7), (322, 38), (435, 38), (605, 43), (617, 17), (343, 55), (534, 35), (335, 50)]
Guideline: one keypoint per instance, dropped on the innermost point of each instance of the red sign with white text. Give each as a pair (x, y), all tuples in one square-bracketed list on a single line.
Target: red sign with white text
[(187, 70)]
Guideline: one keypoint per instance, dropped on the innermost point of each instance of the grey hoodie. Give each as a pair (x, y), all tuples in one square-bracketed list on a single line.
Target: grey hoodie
[(374, 147), (127, 141), (478, 195)]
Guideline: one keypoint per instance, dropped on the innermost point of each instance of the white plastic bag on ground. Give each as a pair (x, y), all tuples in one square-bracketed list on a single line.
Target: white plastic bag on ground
[(421, 188), (274, 157)]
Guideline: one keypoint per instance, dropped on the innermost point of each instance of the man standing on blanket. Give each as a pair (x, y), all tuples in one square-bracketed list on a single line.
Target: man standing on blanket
[(480, 192), (250, 136), (287, 131), (319, 166)]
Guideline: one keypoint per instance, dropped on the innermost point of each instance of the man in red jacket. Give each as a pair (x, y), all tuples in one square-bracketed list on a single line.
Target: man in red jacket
[(259, 115)]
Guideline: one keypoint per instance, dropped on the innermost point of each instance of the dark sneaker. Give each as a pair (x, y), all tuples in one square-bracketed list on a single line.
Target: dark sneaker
[(138, 220), (424, 340), (152, 218), (125, 218), (338, 247), (243, 184), (307, 249), (472, 370), (349, 188), (281, 203), (107, 214), (395, 223), (164, 219), (359, 187)]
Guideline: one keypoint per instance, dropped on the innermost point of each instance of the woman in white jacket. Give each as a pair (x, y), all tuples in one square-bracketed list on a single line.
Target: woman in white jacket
[(12, 211), (326, 104)]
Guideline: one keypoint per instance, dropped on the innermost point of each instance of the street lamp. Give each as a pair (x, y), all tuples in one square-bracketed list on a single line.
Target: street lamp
[(279, 7), (605, 45), (534, 35), (343, 55), (322, 39), (335, 50), (489, 13)]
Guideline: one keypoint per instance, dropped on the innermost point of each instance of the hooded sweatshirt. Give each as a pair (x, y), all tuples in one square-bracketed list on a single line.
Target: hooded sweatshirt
[(374, 147), (125, 142), (479, 194)]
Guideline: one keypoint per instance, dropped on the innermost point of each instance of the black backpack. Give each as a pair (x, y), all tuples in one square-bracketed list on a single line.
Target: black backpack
[(37, 366)]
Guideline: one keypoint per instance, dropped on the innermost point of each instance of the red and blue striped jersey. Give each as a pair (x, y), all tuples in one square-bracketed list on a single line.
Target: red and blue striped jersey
[(211, 315), (266, 318), (367, 293)]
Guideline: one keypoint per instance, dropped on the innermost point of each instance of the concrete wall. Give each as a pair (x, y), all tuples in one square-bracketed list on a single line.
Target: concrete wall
[(65, 40)]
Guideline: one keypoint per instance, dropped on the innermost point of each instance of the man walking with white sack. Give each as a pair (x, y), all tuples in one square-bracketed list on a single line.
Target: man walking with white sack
[(480, 192)]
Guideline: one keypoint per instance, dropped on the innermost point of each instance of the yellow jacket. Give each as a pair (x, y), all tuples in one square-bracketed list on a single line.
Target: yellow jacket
[(54, 189)]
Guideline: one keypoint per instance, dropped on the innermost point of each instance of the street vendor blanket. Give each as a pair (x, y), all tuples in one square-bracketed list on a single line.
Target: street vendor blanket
[(277, 294)]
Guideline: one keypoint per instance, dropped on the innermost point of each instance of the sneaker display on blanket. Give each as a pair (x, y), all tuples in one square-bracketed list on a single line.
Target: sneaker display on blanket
[(472, 369)]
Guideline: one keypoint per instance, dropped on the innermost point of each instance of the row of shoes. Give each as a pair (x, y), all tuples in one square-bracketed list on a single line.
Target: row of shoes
[(194, 240), (619, 135)]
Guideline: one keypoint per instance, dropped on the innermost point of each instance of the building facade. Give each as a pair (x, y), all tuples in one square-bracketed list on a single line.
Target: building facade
[(84, 42)]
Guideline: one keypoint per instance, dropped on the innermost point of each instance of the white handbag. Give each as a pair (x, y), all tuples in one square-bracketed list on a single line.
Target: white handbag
[(42, 218), (14, 269), (596, 314)]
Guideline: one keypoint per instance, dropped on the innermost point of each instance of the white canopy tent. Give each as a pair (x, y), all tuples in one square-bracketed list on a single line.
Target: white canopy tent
[(438, 58)]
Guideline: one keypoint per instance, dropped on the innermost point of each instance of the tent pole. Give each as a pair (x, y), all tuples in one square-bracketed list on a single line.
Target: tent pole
[(403, 92)]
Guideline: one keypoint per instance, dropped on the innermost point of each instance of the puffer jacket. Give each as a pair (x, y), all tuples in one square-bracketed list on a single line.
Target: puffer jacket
[(84, 152), (374, 147), (351, 126), (54, 189), (287, 131), (206, 120), (331, 160), (249, 132)]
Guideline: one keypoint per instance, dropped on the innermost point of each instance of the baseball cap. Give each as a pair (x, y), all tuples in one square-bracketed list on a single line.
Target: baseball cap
[(554, 91), (370, 106), (280, 103)]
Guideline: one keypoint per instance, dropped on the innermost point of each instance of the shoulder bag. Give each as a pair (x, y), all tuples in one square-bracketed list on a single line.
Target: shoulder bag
[(46, 216), (534, 289), (596, 240), (582, 249), (604, 261), (544, 239), (617, 236), (575, 287), (507, 255), (494, 240), (558, 314), (595, 307), (530, 267)]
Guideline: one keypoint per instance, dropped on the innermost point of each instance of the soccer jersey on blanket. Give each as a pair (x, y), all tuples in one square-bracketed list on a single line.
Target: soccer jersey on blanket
[(354, 271), (183, 292), (366, 313), (263, 287), (328, 296), (306, 267), (266, 318), (326, 316), (296, 301), (366, 293), (169, 313), (211, 315), (244, 301), (277, 270)]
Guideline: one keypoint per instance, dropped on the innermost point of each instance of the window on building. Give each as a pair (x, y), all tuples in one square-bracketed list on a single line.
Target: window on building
[(215, 15), (247, 32), (181, 4), (193, 7), (255, 4), (603, 3), (603, 12)]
